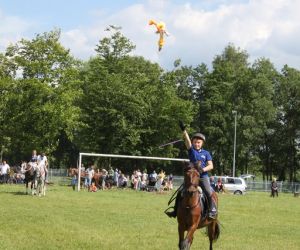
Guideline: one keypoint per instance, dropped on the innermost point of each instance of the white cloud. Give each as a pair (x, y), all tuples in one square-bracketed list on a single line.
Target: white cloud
[(265, 28), (12, 29)]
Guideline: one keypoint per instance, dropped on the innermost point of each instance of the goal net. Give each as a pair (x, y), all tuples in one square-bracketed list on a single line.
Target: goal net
[(136, 157)]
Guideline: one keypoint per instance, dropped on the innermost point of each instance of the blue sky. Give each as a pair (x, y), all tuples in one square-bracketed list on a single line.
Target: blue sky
[(64, 14), (199, 29)]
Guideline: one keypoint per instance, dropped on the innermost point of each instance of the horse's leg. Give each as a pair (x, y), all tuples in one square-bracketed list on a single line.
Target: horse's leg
[(26, 185), (181, 235), (190, 234), (32, 188), (44, 188), (38, 188)]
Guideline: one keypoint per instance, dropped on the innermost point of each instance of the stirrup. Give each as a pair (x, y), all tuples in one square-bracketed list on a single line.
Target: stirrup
[(212, 215)]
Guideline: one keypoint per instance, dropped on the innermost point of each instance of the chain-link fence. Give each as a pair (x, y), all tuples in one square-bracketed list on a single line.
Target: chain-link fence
[(263, 186), (60, 177)]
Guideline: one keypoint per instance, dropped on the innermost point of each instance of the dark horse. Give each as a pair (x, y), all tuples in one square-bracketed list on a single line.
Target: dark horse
[(30, 174), (189, 213)]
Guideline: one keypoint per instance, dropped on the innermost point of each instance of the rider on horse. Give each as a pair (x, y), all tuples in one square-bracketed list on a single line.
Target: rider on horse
[(202, 161)]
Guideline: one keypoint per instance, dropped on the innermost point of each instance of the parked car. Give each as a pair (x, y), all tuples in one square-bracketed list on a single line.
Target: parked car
[(235, 185)]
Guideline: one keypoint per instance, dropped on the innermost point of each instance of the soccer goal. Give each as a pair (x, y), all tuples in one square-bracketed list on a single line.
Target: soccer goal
[(81, 155)]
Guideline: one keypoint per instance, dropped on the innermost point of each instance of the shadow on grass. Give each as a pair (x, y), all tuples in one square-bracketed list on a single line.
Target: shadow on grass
[(18, 193)]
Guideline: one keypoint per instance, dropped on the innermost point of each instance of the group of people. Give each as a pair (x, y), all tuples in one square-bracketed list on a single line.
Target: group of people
[(217, 186), (16, 174), (100, 178), (152, 181), (95, 179)]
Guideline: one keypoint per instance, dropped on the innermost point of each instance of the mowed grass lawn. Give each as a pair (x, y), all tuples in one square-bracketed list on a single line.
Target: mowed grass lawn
[(126, 219)]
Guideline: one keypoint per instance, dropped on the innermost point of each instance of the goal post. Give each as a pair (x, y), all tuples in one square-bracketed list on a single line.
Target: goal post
[(122, 156)]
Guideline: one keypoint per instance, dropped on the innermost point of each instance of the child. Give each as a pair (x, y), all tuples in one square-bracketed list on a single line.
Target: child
[(202, 160), (93, 187), (74, 181)]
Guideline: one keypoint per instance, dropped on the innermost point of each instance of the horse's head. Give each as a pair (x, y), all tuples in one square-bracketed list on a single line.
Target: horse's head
[(191, 179), (30, 168)]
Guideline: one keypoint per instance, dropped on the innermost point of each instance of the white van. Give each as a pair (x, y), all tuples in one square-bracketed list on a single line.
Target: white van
[(235, 185)]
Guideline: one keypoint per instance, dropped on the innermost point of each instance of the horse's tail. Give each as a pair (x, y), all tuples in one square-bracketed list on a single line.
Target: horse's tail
[(217, 231)]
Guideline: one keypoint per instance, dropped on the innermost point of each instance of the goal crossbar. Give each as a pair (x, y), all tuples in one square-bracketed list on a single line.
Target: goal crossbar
[(123, 156)]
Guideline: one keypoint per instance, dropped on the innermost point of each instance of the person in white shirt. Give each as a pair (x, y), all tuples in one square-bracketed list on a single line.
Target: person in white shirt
[(43, 161), (89, 174), (4, 171), (1, 177)]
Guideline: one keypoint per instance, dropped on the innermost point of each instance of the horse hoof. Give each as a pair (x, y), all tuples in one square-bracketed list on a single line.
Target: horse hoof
[(185, 245)]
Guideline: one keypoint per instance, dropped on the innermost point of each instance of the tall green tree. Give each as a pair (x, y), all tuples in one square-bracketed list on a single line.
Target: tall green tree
[(42, 99), (127, 107), (230, 70), (288, 114)]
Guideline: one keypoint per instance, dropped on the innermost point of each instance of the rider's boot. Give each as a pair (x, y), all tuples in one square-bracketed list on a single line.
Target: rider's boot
[(212, 208), (173, 214)]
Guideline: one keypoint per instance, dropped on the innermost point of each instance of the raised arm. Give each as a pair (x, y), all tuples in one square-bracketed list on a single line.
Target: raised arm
[(187, 140), (186, 137)]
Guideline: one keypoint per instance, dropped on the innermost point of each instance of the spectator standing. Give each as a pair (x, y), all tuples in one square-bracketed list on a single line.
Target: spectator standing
[(74, 181), (152, 179), (5, 171), (274, 188), (89, 174), (104, 176), (170, 181), (212, 183), (1, 177), (135, 180), (144, 180), (116, 177), (220, 186), (160, 179)]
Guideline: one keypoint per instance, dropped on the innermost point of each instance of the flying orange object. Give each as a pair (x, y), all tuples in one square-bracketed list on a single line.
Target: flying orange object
[(161, 30)]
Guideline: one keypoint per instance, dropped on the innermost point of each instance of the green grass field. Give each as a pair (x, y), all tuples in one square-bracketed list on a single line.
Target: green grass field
[(126, 219)]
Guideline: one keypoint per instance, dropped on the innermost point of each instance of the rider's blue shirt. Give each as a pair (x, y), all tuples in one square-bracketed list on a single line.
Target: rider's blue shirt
[(200, 155)]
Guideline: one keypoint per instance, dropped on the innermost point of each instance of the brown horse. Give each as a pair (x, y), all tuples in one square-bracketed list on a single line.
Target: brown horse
[(189, 213), (30, 173)]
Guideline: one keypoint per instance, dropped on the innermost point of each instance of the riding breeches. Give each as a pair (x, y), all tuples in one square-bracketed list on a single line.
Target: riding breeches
[(205, 185)]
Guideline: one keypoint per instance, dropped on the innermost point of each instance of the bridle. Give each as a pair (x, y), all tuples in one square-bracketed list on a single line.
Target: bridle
[(191, 189)]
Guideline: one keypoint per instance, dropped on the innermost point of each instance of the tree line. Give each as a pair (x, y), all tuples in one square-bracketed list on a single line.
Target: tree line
[(118, 103)]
